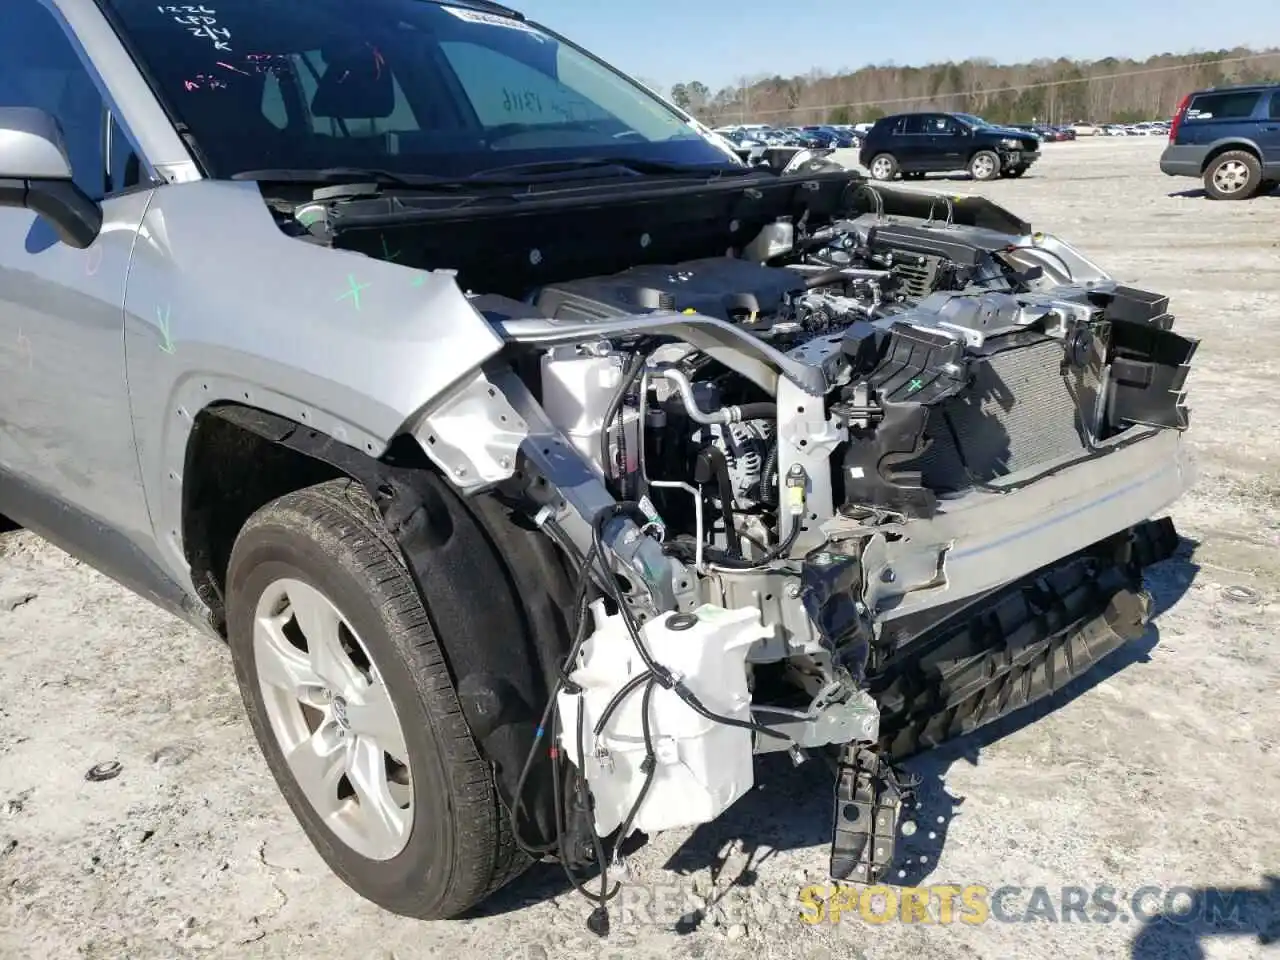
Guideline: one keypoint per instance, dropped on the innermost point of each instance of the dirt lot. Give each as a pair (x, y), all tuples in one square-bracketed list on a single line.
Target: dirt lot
[(1161, 770)]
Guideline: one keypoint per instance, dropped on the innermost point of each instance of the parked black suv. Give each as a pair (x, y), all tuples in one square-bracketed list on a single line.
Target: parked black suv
[(1230, 138), (914, 144)]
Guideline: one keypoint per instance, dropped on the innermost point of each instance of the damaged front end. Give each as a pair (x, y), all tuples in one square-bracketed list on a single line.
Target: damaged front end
[(880, 473)]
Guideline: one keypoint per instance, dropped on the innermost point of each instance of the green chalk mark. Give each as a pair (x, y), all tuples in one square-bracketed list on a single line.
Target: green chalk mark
[(420, 280), (914, 385), (353, 290), (162, 321), (386, 252)]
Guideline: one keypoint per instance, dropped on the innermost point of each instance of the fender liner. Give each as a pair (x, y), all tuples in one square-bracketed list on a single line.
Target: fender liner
[(501, 620)]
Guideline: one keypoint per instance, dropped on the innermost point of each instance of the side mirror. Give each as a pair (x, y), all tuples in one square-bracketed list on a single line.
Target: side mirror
[(35, 174)]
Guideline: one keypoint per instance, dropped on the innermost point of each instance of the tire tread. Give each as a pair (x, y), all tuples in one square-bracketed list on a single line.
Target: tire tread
[(340, 514)]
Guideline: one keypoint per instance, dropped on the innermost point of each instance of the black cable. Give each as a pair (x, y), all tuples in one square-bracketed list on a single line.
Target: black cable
[(605, 895), (724, 483), (513, 813), (649, 764), (769, 477), (687, 695), (629, 376), (656, 674), (616, 700), (776, 552), (598, 847), (660, 673), (534, 850)]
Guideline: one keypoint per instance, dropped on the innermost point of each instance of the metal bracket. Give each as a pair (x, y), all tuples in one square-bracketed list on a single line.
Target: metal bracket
[(806, 437), (856, 719), (869, 801), (473, 434)]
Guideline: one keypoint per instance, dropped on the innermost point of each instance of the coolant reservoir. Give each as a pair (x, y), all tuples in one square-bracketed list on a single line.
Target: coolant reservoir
[(576, 390), (702, 766)]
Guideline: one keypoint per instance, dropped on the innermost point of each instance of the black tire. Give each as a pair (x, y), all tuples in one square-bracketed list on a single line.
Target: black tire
[(883, 166), (1220, 186), (984, 165), (459, 848)]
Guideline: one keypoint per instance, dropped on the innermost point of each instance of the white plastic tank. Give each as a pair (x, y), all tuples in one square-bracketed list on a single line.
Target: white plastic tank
[(576, 390), (702, 766)]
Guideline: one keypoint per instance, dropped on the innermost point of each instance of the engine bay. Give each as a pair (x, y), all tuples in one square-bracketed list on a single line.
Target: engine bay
[(781, 428)]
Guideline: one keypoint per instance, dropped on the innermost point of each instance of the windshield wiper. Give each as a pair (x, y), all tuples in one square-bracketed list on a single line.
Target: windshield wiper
[(514, 175), (347, 175), (633, 164)]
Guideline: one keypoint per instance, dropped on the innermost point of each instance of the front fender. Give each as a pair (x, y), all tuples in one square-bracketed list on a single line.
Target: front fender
[(221, 306)]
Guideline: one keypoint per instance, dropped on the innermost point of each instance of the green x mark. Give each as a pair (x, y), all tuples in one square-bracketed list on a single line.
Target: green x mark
[(386, 251), (353, 290), (915, 385)]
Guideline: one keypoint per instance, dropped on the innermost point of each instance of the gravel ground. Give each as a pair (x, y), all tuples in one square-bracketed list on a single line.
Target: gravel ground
[(1155, 771)]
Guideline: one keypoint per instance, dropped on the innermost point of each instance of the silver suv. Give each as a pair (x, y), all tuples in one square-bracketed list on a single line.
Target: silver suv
[(540, 462)]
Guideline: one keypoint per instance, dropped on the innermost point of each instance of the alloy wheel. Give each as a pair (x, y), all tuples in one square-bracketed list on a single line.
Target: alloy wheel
[(333, 718), (1231, 177)]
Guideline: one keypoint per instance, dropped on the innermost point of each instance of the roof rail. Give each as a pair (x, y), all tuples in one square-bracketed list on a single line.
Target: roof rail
[(490, 5)]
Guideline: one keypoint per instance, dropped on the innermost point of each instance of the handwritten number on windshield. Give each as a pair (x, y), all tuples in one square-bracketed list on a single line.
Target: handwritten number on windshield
[(516, 101), (200, 21)]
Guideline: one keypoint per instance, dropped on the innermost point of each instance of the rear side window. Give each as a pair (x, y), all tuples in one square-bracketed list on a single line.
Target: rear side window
[(915, 124), (1275, 105), (1223, 106)]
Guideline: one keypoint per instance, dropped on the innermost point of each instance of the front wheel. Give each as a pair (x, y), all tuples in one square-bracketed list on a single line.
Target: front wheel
[(348, 694), (884, 167), (984, 165)]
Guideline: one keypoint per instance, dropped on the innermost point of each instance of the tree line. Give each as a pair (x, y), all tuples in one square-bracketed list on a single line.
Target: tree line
[(1111, 90)]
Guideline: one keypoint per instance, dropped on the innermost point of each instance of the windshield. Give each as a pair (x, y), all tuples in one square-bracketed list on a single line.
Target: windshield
[(407, 86), (971, 120)]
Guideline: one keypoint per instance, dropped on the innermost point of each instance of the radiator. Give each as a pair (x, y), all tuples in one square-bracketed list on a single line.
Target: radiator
[(1019, 412)]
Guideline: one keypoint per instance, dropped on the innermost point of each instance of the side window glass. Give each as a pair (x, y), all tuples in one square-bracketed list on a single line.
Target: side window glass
[(40, 68), (1275, 105), (1223, 106), (915, 124)]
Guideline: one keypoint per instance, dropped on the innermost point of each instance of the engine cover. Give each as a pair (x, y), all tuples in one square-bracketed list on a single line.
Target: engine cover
[(737, 291)]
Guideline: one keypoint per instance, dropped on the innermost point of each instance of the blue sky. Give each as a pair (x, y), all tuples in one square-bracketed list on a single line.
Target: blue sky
[(717, 41)]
